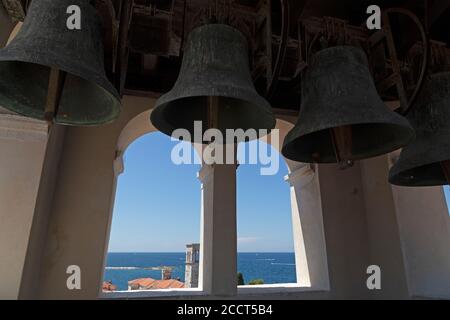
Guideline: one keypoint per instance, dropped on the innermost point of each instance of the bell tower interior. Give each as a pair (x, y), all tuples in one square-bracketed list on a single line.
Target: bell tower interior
[(361, 113)]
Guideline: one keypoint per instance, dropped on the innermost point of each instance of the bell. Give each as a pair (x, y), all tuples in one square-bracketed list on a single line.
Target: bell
[(426, 161), (342, 118), (214, 86), (48, 65)]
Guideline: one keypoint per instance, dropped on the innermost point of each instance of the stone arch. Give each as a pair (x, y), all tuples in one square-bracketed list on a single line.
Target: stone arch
[(306, 207), (307, 220), (133, 130), (306, 210)]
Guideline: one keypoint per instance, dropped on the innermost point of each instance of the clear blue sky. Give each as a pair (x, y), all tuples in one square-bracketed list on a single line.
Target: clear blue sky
[(447, 194), (157, 205)]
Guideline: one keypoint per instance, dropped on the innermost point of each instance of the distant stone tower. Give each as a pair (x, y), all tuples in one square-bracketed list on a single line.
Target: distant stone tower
[(166, 273), (192, 265)]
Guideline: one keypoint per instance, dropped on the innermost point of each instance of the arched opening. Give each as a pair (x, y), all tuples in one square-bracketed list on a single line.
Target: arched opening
[(299, 199), (156, 214), (265, 235), (301, 257)]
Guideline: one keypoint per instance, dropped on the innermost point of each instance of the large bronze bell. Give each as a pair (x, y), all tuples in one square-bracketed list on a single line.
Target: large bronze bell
[(425, 162), (46, 52), (214, 83), (342, 118)]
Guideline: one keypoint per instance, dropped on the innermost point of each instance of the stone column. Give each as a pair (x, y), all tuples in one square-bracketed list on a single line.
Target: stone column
[(423, 217), (218, 241), (385, 249), (307, 224)]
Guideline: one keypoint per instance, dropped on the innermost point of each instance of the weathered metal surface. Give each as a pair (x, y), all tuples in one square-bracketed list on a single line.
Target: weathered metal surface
[(338, 91), (45, 42), (215, 64), (420, 163)]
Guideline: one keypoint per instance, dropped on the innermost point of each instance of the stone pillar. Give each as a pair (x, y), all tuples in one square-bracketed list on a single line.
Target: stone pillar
[(218, 242), (36, 244), (307, 224), (423, 217), (345, 229), (192, 265), (385, 249), (22, 149)]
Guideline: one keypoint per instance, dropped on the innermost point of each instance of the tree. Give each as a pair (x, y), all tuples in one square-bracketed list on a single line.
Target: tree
[(256, 281), (240, 279)]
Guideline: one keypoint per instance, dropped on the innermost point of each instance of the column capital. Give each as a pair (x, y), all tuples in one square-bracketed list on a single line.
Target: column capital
[(207, 169), (393, 157), (301, 176), (118, 164), (205, 172)]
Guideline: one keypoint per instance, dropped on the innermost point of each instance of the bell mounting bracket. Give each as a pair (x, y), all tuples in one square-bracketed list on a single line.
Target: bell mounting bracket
[(395, 78), (16, 8)]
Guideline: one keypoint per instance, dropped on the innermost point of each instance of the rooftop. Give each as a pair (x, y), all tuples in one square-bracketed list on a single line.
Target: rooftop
[(149, 283)]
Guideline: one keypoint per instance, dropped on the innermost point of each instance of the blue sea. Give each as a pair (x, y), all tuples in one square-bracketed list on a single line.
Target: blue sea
[(271, 267)]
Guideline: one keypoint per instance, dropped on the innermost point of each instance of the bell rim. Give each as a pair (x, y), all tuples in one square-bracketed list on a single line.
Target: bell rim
[(397, 180), (222, 91), (157, 119), (99, 80), (433, 153), (8, 55), (408, 132)]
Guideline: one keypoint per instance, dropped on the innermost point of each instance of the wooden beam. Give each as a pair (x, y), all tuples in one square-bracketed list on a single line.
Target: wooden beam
[(123, 51), (343, 145), (55, 88), (395, 62)]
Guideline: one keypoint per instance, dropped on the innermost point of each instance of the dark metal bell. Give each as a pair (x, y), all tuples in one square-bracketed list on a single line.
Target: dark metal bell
[(45, 44), (425, 162), (215, 65), (342, 117)]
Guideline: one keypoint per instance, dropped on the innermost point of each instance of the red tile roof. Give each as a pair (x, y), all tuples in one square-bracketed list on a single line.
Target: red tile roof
[(108, 286), (149, 283)]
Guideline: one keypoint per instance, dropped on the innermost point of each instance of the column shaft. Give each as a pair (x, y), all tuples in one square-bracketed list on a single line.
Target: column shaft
[(218, 270)]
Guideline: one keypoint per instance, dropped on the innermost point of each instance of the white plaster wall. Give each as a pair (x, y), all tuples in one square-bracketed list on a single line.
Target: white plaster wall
[(22, 148), (385, 249), (423, 219), (81, 214)]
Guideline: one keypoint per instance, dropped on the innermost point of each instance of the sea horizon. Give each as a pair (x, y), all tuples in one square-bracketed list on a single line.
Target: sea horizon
[(271, 267), (184, 252)]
